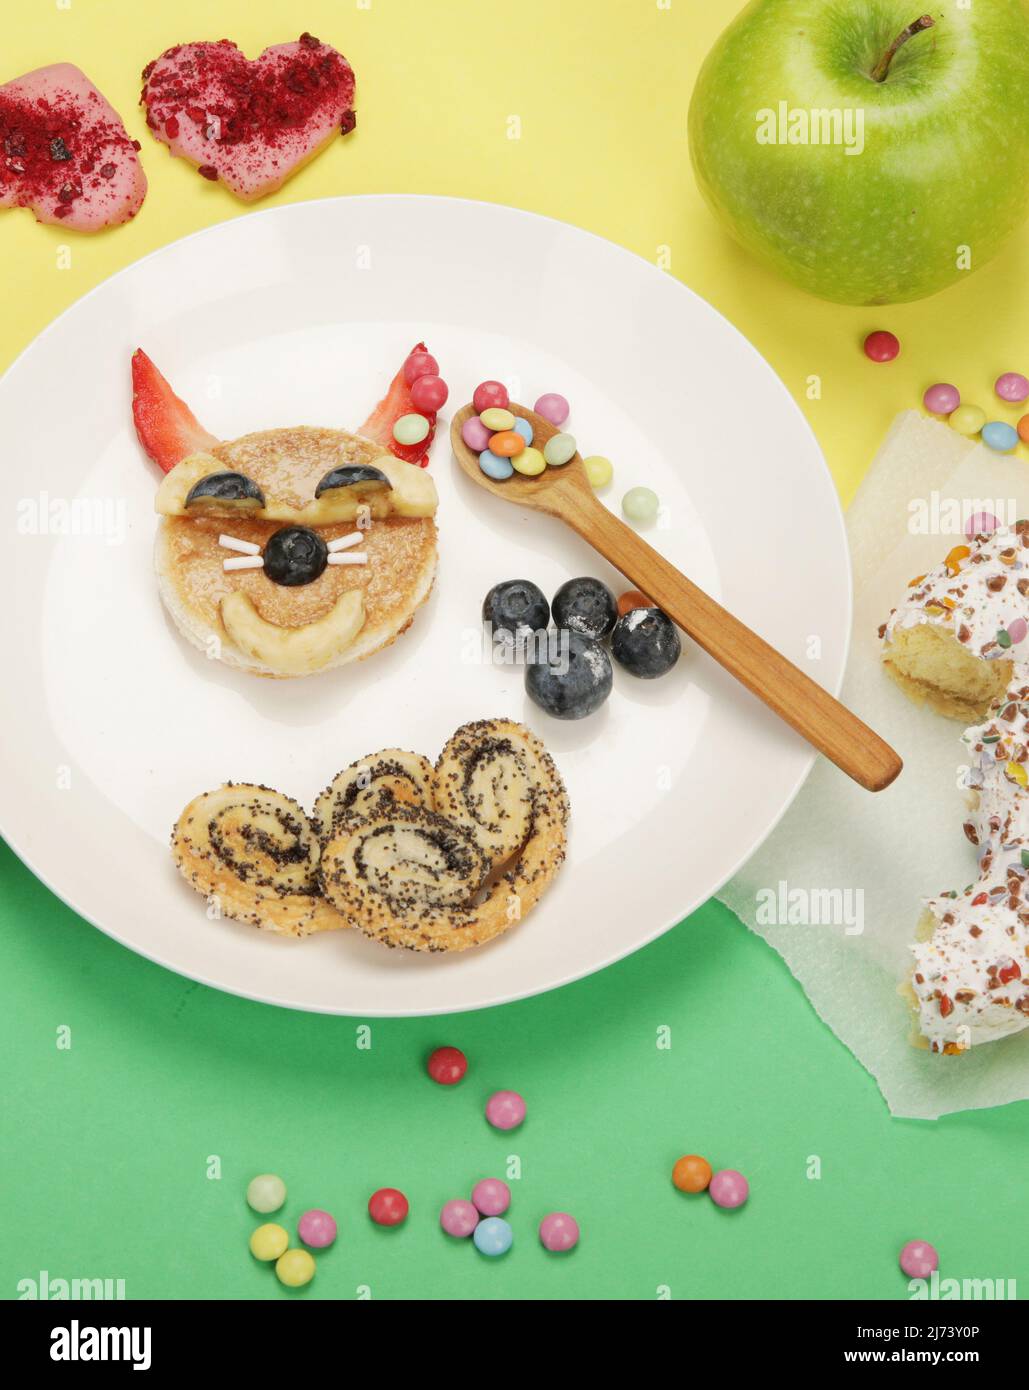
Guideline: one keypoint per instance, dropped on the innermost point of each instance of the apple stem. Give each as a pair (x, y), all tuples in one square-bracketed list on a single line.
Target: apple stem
[(882, 67)]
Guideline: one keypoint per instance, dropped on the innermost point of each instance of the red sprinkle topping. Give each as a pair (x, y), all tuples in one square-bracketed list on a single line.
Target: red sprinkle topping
[(246, 101), (54, 145)]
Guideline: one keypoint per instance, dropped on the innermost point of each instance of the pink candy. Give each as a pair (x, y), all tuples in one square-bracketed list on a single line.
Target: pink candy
[(729, 1188), (316, 1228), (981, 524), (475, 434), (553, 408), (505, 1110), (942, 399), (491, 1196), (918, 1259), (1012, 386), (559, 1231), (458, 1217)]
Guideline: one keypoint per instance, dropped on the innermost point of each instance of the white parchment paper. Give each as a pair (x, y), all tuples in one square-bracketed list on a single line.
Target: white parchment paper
[(862, 862)]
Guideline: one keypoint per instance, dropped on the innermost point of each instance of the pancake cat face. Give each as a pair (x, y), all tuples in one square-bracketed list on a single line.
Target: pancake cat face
[(295, 549)]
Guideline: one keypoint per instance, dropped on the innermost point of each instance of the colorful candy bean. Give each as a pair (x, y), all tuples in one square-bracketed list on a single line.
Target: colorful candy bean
[(530, 462), (918, 1259), (692, 1173), (558, 449), (999, 436), (497, 418), (729, 1188), (490, 394), (882, 346), (388, 1207), (447, 1066), (641, 504), (942, 398), (429, 393), (493, 1236), (524, 428), (459, 1217), (420, 364), (491, 1196), (1013, 387), (295, 1268), (268, 1242), (475, 434), (494, 466), (505, 1110), (967, 420), (266, 1193), (410, 429), (599, 470), (506, 443), (553, 408), (317, 1228), (559, 1232)]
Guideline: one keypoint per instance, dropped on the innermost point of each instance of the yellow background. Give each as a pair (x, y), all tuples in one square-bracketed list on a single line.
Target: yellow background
[(602, 88)]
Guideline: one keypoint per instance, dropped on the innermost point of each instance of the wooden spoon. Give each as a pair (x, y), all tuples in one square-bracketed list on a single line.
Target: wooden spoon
[(566, 493)]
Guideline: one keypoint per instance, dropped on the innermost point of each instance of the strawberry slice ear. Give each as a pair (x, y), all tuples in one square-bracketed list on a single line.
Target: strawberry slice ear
[(395, 403), (165, 426)]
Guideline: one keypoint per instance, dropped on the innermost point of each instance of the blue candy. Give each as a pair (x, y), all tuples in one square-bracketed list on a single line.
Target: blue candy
[(523, 428), (494, 466), (1000, 436), (492, 1236)]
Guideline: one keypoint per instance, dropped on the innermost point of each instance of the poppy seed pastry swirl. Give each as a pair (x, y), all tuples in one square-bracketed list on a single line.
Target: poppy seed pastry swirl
[(255, 856), (393, 775), (460, 875), (495, 778)]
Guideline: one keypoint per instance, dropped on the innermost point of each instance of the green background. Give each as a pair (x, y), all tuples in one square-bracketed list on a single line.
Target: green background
[(105, 1146)]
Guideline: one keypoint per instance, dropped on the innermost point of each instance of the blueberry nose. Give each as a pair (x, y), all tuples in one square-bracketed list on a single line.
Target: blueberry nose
[(295, 555)]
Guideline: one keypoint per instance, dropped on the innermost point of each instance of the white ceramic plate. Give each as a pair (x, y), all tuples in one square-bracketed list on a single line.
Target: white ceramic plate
[(301, 315)]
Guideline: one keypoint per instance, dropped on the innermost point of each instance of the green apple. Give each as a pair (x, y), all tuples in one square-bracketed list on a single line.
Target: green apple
[(867, 153)]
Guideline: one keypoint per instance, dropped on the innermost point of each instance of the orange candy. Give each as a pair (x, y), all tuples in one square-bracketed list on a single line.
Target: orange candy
[(1023, 429), (632, 598), (691, 1173), (506, 443)]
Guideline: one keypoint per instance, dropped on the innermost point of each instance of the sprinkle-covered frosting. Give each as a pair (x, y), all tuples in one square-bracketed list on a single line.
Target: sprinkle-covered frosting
[(971, 977), (980, 593)]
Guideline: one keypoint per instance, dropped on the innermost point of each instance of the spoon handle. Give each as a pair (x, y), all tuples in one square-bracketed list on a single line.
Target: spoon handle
[(809, 709)]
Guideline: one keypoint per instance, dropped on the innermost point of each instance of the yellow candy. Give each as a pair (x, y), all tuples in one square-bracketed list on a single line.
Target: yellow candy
[(295, 1268), (268, 1242), (1017, 773), (598, 470), (496, 419), (530, 462), (967, 419)]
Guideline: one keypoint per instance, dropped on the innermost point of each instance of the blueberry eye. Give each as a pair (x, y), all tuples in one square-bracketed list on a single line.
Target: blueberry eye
[(295, 555), (225, 492), (360, 479)]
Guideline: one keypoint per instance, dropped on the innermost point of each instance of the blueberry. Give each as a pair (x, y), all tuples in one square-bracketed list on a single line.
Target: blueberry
[(516, 607), (572, 679), (585, 606), (646, 643), (295, 555)]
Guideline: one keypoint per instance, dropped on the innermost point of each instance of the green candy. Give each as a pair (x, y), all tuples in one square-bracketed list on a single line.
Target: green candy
[(640, 504), (559, 449), (410, 429)]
